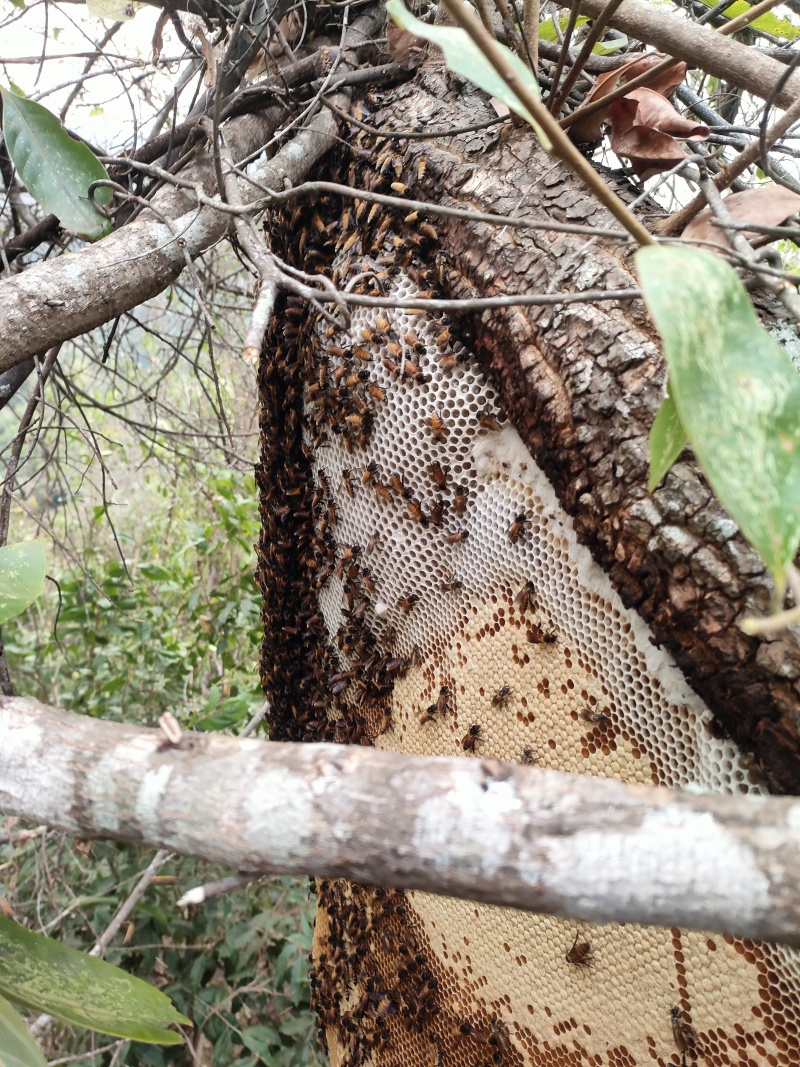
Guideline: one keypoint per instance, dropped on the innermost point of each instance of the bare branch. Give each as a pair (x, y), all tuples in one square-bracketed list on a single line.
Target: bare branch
[(517, 836), (701, 47)]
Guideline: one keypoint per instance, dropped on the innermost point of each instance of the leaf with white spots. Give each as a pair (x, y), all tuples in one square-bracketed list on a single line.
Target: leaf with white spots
[(736, 393), (21, 577)]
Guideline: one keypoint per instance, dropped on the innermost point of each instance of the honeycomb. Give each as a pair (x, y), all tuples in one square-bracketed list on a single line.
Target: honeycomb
[(460, 615)]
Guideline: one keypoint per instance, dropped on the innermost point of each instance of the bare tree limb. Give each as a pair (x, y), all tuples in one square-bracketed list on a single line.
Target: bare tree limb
[(517, 836), (57, 300), (700, 46)]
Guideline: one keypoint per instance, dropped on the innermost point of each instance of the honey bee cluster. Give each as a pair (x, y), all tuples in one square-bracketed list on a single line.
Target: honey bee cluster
[(425, 592)]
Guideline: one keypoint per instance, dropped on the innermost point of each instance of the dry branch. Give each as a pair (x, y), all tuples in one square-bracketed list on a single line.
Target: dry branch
[(701, 47), (511, 835)]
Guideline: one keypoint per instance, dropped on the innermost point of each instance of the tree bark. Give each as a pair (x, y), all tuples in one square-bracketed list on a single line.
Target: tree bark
[(480, 829)]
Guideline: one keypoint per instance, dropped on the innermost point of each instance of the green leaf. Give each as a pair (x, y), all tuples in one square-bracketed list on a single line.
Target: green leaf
[(768, 22), (547, 29), (56, 169), (43, 975), (22, 570), (17, 1047), (667, 439), (736, 392), (464, 57)]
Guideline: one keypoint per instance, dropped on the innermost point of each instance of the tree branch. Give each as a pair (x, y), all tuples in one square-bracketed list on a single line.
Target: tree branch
[(59, 299), (509, 835), (701, 47)]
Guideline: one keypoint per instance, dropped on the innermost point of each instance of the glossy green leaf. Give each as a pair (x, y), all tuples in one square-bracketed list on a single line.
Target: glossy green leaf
[(17, 1047), (667, 439), (768, 22), (43, 975), (464, 57), (56, 169), (22, 570), (737, 394)]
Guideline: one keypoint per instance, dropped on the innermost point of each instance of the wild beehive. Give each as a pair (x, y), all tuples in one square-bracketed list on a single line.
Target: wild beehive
[(426, 591)]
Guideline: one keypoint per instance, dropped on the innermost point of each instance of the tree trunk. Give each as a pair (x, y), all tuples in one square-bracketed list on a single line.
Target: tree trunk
[(459, 555)]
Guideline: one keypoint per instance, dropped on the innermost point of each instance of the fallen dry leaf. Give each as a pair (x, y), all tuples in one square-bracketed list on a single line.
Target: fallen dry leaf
[(644, 128), (665, 83), (769, 205)]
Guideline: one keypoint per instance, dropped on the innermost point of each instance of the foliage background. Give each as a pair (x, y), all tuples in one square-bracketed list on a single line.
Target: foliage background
[(158, 612)]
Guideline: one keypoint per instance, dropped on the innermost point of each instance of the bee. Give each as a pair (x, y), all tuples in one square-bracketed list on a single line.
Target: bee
[(471, 738), (526, 598), (451, 584), (487, 420), (437, 426), (456, 538), (436, 514), (390, 364), (439, 473), (580, 954), (323, 482), (518, 527), (362, 354), (428, 231), (414, 371), (500, 699), (347, 481), (412, 216), (416, 512), (498, 1037), (414, 341), (396, 483), (382, 325), (406, 603), (422, 166), (372, 544), (428, 715), (460, 499), (443, 700), (683, 1034), (370, 472), (592, 715), (443, 337), (538, 636), (450, 361), (399, 188), (383, 491), (527, 756), (375, 390)]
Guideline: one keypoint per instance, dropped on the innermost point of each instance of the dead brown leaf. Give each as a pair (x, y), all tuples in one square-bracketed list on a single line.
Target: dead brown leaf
[(644, 128), (769, 205), (665, 83)]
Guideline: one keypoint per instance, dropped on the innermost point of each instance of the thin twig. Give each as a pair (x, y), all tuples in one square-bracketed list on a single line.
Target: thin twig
[(598, 29)]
